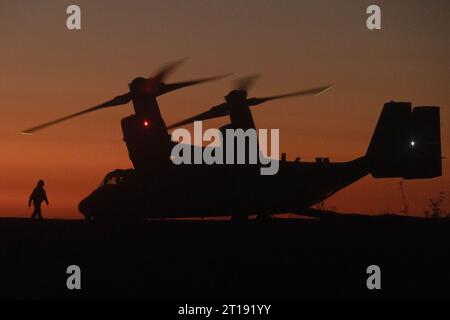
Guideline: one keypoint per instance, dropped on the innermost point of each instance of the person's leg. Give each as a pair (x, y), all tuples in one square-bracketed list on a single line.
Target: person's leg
[(33, 215), (39, 213)]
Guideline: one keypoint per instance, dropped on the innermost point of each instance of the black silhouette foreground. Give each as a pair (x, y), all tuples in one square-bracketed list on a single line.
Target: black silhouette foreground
[(406, 144), (36, 198), (187, 260)]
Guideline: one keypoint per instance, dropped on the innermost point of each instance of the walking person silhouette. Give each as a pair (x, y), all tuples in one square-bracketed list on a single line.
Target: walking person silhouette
[(37, 197)]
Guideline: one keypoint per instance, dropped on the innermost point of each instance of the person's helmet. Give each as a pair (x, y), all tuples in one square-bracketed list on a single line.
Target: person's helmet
[(40, 183)]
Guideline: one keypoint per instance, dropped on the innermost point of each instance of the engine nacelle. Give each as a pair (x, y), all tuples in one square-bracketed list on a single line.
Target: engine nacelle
[(148, 143)]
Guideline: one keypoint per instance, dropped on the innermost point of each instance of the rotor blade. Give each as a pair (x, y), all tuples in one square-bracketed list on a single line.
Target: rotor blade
[(314, 91), (245, 83), (117, 101), (215, 112), (165, 88), (153, 83), (166, 69)]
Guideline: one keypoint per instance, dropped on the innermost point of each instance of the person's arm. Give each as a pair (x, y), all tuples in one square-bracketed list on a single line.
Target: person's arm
[(30, 199), (45, 197)]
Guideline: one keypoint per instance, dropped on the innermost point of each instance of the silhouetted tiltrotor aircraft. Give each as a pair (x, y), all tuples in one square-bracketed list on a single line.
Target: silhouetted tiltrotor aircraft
[(406, 143)]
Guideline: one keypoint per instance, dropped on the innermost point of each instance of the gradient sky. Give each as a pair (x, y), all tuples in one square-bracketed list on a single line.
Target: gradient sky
[(48, 71)]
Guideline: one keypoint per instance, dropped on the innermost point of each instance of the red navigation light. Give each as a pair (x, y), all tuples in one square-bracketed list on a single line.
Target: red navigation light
[(146, 123)]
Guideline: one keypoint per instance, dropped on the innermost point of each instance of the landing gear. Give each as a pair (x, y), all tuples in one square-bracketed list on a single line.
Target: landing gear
[(264, 217), (239, 218)]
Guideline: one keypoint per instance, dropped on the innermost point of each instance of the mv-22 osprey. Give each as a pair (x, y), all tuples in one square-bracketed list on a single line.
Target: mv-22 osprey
[(406, 144)]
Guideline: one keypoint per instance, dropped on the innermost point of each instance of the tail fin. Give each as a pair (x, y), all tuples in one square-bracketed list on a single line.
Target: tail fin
[(406, 143)]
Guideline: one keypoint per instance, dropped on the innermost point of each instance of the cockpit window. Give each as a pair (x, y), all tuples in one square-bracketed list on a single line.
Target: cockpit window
[(113, 178)]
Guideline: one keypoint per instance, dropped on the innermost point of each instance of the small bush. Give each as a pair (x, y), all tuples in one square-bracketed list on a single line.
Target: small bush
[(436, 211)]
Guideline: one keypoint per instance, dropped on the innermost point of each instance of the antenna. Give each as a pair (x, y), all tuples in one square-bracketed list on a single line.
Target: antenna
[(405, 202)]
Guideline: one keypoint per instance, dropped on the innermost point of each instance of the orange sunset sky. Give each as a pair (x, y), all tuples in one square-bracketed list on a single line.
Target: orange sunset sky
[(48, 71)]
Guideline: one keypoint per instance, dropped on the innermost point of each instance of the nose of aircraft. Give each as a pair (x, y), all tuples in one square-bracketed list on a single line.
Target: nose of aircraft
[(85, 207)]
